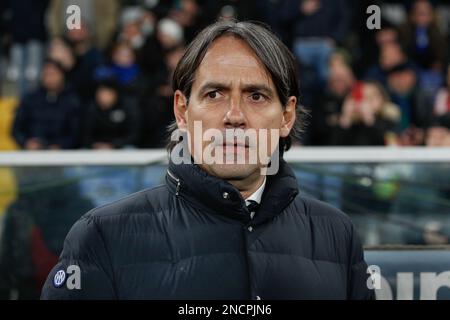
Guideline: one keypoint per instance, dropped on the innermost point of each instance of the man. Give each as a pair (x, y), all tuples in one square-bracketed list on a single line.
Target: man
[(316, 27), (202, 235), (49, 117), (111, 120), (28, 36)]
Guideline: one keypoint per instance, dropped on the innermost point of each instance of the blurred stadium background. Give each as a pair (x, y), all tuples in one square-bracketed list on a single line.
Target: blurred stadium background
[(92, 104)]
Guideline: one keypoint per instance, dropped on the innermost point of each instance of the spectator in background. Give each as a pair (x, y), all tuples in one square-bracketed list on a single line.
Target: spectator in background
[(169, 33), (425, 44), (438, 134), (88, 58), (130, 27), (442, 101), (171, 59), (160, 7), (317, 26), (414, 111), (150, 55), (29, 35), (100, 14), (422, 37), (370, 48), (234, 9), (168, 37), (112, 120), (60, 50), (148, 22), (150, 38), (137, 28), (391, 55), (49, 117), (326, 110), (124, 69), (157, 108), (191, 16), (368, 117), (386, 35)]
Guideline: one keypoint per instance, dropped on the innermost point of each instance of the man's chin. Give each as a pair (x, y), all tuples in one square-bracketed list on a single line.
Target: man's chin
[(231, 171)]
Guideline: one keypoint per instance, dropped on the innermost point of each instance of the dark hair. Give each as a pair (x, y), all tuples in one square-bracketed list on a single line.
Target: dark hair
[(441, 121), (406, 66), (56, 64), (410, 4), (274, 55), (108, 82)]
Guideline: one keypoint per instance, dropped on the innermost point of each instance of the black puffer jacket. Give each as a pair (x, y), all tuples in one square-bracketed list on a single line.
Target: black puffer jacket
[(191, 239)]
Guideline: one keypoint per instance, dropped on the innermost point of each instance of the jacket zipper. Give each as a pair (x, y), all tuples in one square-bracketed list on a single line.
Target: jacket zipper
[(177, 190)]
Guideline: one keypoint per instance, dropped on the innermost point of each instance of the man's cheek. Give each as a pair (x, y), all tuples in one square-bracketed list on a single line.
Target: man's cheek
[(267, 142)]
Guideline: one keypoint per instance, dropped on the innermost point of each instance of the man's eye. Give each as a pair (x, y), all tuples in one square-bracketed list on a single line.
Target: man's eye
[(257, 97), (212, 94)]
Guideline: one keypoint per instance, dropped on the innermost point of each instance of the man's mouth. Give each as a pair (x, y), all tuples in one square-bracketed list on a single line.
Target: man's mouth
[(235, 147), (236, 144)]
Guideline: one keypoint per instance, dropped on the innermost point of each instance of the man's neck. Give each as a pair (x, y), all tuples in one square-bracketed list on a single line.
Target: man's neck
[(248, 186), (53, 93), (81, 48)]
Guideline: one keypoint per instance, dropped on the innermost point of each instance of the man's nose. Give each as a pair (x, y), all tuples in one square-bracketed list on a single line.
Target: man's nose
[(235, 116)]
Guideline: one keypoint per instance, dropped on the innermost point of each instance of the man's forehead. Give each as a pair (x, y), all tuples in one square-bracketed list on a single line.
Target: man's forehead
[(230, 58), (231, 50)]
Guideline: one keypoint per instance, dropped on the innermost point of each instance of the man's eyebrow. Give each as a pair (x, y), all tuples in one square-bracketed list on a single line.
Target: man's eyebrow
[(258, 88), (246, 88), (212, 86)]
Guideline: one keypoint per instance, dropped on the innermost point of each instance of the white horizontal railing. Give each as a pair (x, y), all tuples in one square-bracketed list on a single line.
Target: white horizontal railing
[(296, 154), (82, 157), (368, 154)]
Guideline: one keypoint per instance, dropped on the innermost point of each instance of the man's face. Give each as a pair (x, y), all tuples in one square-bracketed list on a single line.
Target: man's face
[(340, 80), (422, 14), (233, 90), (386, 36), (391, 55), (373, 97), (438, 136), (105, 97), (52, 78), (402, 82), (123, 56), (78, 35)]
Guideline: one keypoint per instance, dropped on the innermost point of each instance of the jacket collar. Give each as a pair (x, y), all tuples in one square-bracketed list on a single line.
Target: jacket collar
[(218, 196)]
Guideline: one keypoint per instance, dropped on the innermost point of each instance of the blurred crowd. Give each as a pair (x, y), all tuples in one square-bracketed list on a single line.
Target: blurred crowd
[(107, 84)]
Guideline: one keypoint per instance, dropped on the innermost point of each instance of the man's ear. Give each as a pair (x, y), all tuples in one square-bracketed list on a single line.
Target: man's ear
[(289, 116), (179, 109)]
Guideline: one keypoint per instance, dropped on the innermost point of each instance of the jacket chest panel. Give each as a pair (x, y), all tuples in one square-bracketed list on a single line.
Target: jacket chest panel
[(209, 276), (284, 263), (284, 276)]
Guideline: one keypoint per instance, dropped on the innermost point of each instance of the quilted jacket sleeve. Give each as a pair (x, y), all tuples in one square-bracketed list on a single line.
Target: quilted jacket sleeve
[(83, 270)]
